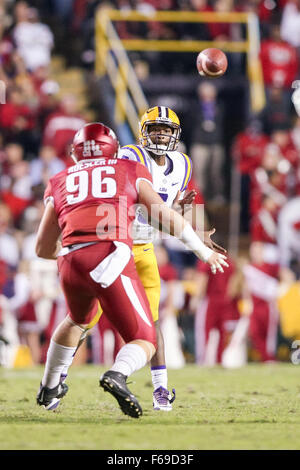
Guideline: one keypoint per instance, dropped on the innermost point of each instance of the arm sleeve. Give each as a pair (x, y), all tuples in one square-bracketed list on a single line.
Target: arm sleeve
[(48, 196)]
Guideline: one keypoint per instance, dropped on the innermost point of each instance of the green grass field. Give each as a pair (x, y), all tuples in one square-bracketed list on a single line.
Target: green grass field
[(257, 407)]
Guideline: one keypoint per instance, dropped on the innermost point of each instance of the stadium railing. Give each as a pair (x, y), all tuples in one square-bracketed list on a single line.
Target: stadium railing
[(112, 58), (130, 101)]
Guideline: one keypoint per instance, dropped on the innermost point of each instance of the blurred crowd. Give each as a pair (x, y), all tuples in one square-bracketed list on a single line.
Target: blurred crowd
[(249, 312)]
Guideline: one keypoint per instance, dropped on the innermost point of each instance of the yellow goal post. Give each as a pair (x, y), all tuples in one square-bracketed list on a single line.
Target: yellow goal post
[(112, 58)]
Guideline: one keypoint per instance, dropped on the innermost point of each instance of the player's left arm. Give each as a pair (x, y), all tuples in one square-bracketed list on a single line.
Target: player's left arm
[(47, 243)]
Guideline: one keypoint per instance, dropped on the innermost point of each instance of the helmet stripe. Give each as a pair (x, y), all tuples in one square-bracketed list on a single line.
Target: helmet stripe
[(187, 173)]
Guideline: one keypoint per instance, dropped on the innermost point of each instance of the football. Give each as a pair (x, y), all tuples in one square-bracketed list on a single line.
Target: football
[(212, 63)]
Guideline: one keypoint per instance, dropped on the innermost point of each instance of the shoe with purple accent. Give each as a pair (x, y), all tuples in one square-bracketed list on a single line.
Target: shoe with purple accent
[(63, 378), (162, 399), (50, 398)]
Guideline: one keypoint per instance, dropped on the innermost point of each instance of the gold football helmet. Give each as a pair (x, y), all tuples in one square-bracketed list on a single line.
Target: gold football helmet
[(159, 115)]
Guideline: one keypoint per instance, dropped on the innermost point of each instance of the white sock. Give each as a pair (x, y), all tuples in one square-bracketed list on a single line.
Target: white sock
[(64, 372), (159, 377), (59, 359), (130, 358)]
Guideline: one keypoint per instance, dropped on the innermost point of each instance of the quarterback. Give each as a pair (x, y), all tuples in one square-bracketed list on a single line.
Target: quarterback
[(171, 171)]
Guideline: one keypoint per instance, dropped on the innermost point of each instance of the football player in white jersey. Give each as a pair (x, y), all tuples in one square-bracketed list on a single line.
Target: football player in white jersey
[(171, 171)]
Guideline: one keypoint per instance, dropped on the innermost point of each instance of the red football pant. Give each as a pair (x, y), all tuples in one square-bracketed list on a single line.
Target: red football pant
[(209, 316), (263, 329), (124, 301), (213, 314)]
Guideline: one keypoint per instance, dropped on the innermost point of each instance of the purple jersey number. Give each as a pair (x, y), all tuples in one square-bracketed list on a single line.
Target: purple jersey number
[(164, 196)]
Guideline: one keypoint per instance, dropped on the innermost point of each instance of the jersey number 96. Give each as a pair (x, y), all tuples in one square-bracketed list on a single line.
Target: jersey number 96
[(77, 184)]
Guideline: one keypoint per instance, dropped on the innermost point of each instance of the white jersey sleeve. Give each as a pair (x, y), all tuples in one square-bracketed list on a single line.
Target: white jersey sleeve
[(133, 152), (187, 171), (126, 153)]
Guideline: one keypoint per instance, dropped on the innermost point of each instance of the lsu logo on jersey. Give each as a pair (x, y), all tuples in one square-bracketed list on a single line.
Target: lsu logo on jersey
[(91, 149)]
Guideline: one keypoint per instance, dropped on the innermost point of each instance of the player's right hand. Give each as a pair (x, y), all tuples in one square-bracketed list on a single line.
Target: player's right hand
[(185, 204), (216, 261)]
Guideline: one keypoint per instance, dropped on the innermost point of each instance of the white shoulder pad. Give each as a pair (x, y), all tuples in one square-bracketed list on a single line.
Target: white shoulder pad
[(128, 153)]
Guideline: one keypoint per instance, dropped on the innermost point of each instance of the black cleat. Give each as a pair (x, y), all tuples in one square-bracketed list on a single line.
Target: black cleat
[(50, 398), (115, 383)]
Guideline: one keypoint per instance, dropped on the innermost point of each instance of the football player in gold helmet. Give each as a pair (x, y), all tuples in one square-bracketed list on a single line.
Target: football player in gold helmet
[(159, 131), (159, 135)]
